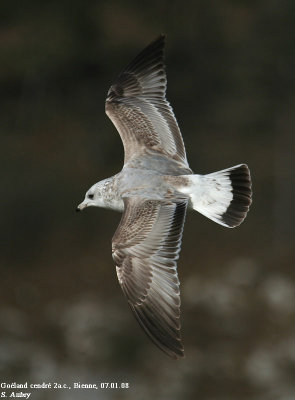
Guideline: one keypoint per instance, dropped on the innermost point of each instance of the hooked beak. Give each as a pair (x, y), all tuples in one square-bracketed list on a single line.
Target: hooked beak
[(81, 206)]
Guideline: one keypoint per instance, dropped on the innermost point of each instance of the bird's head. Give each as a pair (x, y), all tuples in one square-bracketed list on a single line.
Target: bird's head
[(93, 197)]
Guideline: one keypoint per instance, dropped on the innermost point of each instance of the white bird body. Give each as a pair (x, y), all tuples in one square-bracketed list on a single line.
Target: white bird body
[(153, 190)]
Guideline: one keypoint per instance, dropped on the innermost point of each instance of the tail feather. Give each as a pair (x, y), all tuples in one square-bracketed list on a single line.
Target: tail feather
[(223, 196), (242, 196)]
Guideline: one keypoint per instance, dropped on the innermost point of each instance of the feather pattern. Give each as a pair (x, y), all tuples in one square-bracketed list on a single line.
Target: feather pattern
[(146, 247), (137, 106)]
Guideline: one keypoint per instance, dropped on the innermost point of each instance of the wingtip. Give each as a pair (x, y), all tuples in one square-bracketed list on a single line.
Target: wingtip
[(158, 41), (176, 355), (176, 352), (162, 38), (138, 77)]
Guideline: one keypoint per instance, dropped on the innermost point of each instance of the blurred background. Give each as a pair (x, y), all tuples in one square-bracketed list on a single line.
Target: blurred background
[(63, 317)]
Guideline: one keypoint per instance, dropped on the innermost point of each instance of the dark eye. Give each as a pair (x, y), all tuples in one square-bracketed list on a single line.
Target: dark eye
[(90, 196)]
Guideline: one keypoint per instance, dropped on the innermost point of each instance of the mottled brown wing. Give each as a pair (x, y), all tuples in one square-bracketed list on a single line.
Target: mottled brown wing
[(146, 247), (137, 106)]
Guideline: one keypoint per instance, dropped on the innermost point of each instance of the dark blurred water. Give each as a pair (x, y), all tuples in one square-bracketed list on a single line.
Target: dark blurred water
[(63, 317)]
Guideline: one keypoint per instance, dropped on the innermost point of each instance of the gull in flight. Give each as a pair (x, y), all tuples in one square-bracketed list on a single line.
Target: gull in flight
[(153, 191)]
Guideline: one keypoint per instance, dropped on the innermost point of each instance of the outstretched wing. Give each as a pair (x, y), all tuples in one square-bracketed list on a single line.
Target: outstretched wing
[(137, 106), (146, 247)]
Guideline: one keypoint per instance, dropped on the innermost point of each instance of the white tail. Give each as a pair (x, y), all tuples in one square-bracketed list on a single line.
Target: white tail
[(223, 196)]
